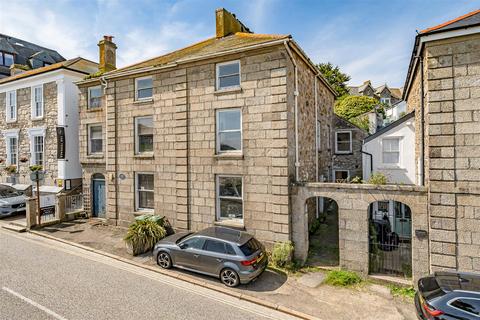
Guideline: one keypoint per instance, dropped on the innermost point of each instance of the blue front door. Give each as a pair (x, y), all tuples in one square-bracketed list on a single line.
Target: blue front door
[(98, 198)]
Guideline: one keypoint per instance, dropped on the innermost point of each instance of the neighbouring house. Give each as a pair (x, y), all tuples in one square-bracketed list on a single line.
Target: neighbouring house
[(389, 151), (17, 55), (395, 112), (443, 88), (39, 124), (383, 93), (211, 134), (347, 156)]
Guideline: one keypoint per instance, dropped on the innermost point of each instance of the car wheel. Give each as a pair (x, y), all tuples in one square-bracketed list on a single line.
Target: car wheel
[(164, 260), (229, 277)]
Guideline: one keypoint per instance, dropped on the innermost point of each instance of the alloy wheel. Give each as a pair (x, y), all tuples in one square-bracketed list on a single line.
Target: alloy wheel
[(163, 260), (229, 277)]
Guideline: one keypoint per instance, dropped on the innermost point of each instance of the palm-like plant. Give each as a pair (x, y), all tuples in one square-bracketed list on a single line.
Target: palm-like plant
[(142, 236)]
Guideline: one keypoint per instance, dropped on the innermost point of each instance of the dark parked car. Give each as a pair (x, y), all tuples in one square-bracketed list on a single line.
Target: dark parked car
[(231, 255), (448, 295)]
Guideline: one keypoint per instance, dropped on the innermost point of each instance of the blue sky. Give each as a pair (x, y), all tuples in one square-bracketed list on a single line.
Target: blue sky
[(367, 39)]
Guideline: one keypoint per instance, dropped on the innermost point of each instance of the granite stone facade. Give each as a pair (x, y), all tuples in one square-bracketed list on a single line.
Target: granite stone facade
[(451, 69), (184, 160)]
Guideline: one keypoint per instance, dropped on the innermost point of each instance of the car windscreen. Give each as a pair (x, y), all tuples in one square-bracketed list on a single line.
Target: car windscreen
[(6, 192), (469, 305), (250, 247)]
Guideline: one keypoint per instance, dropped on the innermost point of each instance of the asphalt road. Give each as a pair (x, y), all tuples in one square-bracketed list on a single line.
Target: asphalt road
[(43, 279)]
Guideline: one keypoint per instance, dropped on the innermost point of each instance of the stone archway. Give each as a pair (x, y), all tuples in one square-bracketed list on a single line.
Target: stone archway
[(353, 201)]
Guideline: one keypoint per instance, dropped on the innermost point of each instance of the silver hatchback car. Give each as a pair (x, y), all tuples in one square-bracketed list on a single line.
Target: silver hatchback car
[(235, 257)]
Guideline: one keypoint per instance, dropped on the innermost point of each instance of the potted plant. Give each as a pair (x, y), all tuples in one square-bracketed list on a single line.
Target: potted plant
[(142, 235), (11, 169), (36, 167), (23, 159)]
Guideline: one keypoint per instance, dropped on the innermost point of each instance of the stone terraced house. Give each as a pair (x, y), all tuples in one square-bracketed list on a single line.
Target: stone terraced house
[(212, 134), (443, 88), (39, 124)]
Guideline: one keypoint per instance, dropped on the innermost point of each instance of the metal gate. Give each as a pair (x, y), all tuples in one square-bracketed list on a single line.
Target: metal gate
[(390, 240)]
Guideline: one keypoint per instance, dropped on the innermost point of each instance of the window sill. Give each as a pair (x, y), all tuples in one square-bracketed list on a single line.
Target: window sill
[(143, 101), (141, 212), (391, 167), (95, 109), (95, 156), (11, 121), (37, 119), (144, 156), (229, 156), (344, 153), (228, 90), (230, 223)]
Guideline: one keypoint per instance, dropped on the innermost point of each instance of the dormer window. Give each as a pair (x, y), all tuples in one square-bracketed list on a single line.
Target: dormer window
[(228, 75), (385, 100), (6, 59)]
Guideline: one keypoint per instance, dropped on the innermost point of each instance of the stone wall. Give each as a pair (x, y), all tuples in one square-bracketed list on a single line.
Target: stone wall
[(351, 161), (453, 68), (23, 123), (353, 201)]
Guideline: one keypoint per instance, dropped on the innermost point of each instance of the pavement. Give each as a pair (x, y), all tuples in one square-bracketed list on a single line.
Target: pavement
[(46, 279), (302, 292)]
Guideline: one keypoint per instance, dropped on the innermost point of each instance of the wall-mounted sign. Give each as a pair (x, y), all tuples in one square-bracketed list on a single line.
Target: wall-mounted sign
[(47, 200), (60, 143)]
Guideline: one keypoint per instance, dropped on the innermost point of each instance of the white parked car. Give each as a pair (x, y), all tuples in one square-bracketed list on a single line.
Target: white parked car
[(11, 201)]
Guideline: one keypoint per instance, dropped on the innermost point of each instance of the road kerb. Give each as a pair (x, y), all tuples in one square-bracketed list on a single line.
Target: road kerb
[(185, 278)]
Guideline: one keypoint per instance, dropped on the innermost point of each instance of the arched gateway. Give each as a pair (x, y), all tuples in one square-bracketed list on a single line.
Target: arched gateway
[(353, 218)]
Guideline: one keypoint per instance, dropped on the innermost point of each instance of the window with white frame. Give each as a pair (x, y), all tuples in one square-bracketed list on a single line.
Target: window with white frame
[(343, 142), (143, 135), (319, 135), (95, 139), (145, 190), (341, 175), (391, 150), (385, 100), (37, 102), (229, 197), (228, 75), (38, 150), (11, 143), (94, 97), (11, 110), (143, 88), (229, 130)]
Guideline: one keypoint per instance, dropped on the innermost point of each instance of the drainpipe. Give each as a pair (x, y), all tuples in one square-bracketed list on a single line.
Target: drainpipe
[(371, 158), (295, 93), (316, 132), (422, 126)]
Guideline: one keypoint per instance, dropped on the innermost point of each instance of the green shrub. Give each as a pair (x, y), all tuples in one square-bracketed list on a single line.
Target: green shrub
[(349, 107), (356, 179), (281, 255), (142, 235), (408, 292), (11, 169), (342, 278), (377, 178), (314, 226)]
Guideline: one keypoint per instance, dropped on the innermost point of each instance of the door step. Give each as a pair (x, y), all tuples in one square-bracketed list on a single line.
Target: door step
[(13, 227)]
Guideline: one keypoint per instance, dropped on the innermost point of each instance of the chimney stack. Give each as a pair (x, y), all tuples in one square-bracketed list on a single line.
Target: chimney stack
[(227, 24), (107, 54)]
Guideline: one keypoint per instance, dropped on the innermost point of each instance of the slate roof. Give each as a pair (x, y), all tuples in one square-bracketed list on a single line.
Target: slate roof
[(466, 20), (357, 90), (77, 64), (390, 126), (24, 50), (205, 47)]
